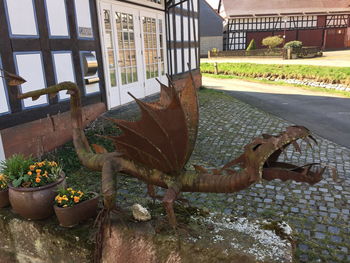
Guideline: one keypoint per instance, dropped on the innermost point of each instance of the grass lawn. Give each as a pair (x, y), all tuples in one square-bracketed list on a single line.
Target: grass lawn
[(280, 83), (317, 73)]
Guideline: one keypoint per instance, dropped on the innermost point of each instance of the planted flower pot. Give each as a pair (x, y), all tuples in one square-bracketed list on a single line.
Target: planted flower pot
[(72, 216), (37, 202), (4, 198)]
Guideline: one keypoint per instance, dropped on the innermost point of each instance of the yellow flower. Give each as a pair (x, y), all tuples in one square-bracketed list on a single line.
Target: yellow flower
[(40, 164), (59, 201), (76, 199), (38, 170), (69, 189), (37, 180), (65, 206), (2, 177), (29, 173), (32, 167)]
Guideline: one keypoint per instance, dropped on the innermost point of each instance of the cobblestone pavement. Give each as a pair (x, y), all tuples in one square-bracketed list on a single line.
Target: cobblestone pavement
[(319, 214)]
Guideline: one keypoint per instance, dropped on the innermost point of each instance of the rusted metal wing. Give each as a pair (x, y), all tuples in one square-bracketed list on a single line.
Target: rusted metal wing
[(160, 138), (189, 102)]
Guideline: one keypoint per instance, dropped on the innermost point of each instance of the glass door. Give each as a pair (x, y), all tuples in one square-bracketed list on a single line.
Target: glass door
[(128, 44), (153, 42)]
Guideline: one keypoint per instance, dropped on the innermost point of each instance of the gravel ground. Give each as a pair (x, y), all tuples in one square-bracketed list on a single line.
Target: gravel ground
[(319, 214)]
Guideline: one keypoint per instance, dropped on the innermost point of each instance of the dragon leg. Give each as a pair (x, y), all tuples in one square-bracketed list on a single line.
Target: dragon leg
[(109, 184), (168, 202), (151, 191)]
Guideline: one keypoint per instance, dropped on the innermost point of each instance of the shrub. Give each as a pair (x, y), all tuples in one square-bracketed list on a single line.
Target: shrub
[(272, 42), (293, 44), (252, 45)]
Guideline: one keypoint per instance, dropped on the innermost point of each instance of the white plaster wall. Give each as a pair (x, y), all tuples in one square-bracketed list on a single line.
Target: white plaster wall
[(208, 43)]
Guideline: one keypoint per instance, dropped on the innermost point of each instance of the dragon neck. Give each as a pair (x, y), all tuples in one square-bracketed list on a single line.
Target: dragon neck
[(192, 181), (85, 154)]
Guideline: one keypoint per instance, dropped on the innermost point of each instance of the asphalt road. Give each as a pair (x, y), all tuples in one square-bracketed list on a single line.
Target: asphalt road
[(324, 114)]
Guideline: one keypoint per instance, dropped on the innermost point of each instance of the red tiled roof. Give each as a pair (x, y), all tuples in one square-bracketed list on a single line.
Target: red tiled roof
[(261, 7)]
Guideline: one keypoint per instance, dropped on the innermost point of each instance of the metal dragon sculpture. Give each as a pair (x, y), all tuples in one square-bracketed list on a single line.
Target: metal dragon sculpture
[(156, 148)]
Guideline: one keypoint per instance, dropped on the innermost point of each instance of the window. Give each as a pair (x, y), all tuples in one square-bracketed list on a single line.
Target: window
[(127, 48), (337, 21)]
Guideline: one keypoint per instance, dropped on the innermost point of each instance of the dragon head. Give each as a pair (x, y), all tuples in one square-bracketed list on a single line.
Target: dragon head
[(260, 158)]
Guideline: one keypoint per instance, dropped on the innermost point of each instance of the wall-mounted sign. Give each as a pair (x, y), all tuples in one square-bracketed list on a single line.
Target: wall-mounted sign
[(85, 32), (83, 16)]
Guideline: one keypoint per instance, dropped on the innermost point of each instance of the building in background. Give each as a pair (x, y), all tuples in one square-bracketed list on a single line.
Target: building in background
[(108, 47), (211, 28), (323, 23)]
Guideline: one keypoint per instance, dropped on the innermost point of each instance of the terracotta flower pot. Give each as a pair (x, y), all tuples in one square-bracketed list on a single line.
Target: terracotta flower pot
[(72, 216), (4, 198), (34, 203)]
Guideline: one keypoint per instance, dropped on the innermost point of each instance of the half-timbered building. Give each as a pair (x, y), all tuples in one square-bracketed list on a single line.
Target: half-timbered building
[(323, 23), (108, 47)]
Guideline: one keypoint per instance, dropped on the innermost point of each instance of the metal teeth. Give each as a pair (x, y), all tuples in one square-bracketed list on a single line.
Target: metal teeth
[(313, 139), (307, 142)]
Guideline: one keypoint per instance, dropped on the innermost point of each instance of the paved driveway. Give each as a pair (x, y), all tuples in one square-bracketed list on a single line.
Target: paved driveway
[(325, 114), (330, 58)]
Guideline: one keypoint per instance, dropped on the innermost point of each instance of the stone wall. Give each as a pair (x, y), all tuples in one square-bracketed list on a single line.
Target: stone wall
[(205, 239), (42, 241)]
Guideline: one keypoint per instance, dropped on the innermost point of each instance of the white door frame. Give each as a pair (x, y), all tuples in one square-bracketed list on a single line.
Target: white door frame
[(110, 91), (139, 90)]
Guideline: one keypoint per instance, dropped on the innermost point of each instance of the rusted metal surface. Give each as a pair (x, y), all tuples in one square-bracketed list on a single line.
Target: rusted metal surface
[(12, 79), (156, 148), (160, 138)]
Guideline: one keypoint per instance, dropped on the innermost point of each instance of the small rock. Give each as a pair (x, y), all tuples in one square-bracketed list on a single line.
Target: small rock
[(140, 213)]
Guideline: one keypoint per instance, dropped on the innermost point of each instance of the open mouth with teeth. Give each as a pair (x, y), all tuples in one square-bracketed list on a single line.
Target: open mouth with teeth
[(269, 149)]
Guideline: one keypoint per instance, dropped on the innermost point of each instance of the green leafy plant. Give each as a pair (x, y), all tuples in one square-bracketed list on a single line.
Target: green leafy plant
[(293, 44), (15, 166), (24, 172), (272, 42), (70, 197), (252, 45)]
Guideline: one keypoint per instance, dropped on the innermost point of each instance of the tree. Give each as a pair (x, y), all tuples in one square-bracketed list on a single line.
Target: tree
[(272, 42), (252, 45)]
